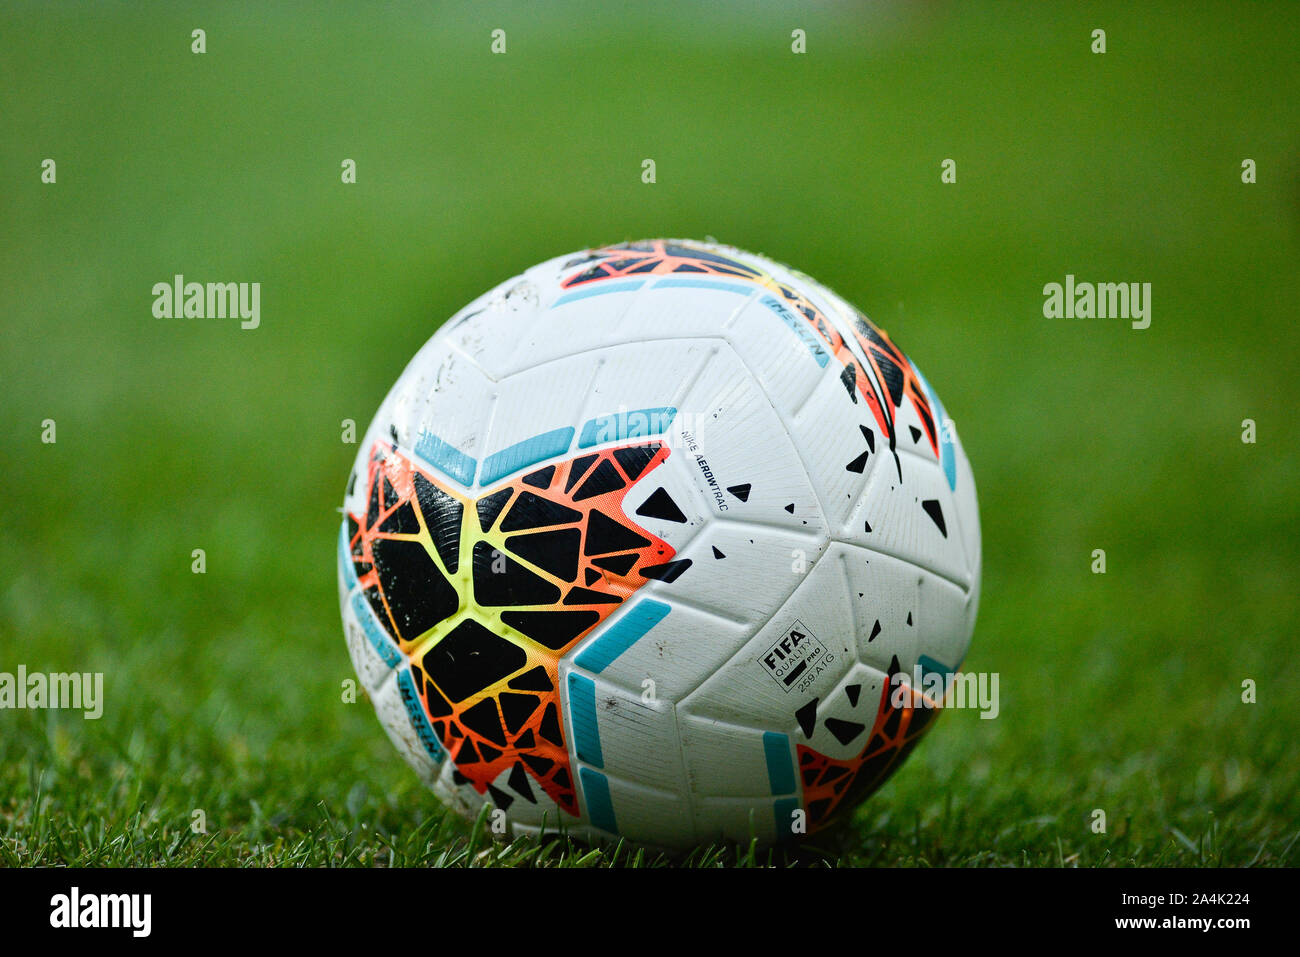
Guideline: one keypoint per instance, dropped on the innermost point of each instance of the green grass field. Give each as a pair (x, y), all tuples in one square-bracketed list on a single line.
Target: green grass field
[(1120, 692)]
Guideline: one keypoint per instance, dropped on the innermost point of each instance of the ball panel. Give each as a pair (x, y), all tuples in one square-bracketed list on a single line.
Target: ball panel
[(785, 356), (739, 819), (439, 409), (672, 654), (395, 704), (636, 812), (616, 731), (841, 449), (729, 760), (912, 519), (374, 655), (800, 653)]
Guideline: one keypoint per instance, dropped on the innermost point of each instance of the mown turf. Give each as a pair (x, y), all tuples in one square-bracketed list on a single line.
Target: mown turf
[(1120, 692)]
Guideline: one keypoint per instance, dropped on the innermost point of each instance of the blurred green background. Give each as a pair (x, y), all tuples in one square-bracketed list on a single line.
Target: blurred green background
[(1120, 691)]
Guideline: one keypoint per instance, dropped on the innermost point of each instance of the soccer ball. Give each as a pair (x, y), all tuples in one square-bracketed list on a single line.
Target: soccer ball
[(654, 541)]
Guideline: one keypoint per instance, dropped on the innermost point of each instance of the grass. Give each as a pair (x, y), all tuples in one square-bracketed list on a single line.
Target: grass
[(1120, 692)]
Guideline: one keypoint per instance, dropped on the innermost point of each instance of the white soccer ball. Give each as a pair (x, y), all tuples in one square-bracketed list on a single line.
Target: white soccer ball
[(653, 541)]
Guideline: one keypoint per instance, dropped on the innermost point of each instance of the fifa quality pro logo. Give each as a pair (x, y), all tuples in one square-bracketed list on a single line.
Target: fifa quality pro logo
[(796, 659)]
